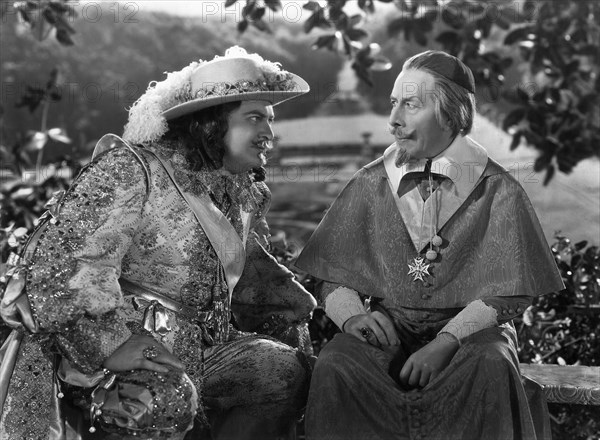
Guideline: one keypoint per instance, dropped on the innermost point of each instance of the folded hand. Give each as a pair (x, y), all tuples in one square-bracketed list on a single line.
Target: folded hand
[(372, 327), (137, 353), (425, 364)]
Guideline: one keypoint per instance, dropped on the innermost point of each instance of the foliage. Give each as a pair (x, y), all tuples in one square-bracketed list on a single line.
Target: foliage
[(45, 16), (564, 328), (113, 61), (557, 111), (561, 116), (558, 41)]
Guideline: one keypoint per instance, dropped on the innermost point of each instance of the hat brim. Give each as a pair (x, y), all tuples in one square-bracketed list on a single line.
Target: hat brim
[(274, 97)]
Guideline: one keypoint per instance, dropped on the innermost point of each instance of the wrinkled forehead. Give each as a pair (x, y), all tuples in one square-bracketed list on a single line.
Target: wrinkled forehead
[(412, 83)]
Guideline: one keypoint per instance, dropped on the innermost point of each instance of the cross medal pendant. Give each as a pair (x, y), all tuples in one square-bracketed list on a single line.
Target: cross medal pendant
[(418, 269)]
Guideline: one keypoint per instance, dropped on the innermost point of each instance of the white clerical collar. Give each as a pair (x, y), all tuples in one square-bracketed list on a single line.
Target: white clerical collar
[(463, 162)]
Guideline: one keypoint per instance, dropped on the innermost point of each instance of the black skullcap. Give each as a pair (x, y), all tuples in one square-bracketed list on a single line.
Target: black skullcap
[(444, 65)]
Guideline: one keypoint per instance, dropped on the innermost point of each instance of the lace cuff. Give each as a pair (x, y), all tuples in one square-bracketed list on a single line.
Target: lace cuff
[(342, 304), (473, 318)]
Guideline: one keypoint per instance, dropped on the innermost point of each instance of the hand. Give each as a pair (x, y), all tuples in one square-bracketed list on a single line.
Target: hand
[(130, 356), (425, 364), (377, 327)]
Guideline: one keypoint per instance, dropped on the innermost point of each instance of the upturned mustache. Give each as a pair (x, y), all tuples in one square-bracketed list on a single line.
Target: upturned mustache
[(397, 132), (263, 143)]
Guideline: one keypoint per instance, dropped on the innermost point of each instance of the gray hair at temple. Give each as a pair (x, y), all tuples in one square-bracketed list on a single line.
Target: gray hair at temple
[(455, 88)]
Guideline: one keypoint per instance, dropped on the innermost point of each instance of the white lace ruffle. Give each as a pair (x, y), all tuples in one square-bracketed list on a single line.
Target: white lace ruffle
[(342, 304)]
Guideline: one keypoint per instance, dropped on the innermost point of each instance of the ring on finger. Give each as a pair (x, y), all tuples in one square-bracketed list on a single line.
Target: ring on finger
[(150, 352), (365, 332)]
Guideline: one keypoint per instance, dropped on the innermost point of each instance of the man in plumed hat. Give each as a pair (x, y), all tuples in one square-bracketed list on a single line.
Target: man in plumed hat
[(152, 255), (425, 258)]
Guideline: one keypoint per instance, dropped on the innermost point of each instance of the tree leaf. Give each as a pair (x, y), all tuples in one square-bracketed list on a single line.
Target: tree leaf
[(454, 17), (522, 94), (380, 64), (511, 14), (257, 14), (517, 34), (347, 45), (310, 23), (59, 7), (362, 72), (516, 140), (274, 5), (355, 20), (397, 25), (420, 36), (328, 41), (64, 38), (502, 23), (506, 63), (542, 162), (341, 21), (513, 118), (248, 9), (59, 135), (316, 20), (532, 137), (62, 22), (25, 15), (451, 41), (49, 16), (35, 141), (549, 174), (312, 6), (229, 3), (356, 34), (242, 26), (262, 26)]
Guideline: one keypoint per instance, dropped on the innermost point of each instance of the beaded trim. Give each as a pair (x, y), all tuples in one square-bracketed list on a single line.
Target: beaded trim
[(282, 82)]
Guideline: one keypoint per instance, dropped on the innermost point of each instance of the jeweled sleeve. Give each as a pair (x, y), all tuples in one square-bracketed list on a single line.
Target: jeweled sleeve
[(73, 281)]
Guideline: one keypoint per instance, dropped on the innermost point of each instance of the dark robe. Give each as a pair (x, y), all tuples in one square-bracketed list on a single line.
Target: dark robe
[(493, 246)]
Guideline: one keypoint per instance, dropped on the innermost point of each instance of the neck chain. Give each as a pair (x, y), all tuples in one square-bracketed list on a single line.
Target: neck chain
[(417, 267)]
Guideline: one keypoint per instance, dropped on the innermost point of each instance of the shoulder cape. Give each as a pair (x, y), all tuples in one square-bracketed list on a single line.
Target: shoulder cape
[(493, 244)]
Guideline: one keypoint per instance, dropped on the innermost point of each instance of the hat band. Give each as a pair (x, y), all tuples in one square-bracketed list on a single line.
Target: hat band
[(212, 89)]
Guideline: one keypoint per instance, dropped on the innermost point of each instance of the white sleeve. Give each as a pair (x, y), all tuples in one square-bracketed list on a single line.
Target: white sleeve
[(476, 316), (342, 304)]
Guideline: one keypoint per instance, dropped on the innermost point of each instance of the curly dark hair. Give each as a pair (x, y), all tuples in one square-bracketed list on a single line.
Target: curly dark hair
[(202, 137)]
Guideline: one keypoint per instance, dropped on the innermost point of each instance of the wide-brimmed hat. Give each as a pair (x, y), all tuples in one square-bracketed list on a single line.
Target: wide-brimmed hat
[(236, 79), (236, 76)]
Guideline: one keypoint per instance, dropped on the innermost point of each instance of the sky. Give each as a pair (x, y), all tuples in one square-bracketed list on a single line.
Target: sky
[(291, 9), (208, 8)]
